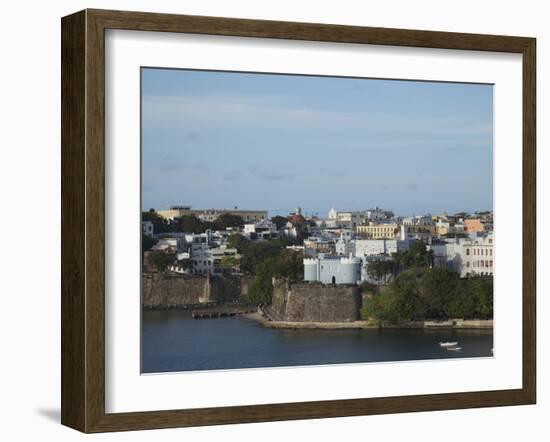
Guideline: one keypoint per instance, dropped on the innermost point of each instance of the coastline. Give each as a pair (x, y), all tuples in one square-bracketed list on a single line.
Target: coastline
[(366, 325)]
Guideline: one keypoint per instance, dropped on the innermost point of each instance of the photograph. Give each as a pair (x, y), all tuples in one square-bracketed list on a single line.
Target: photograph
[(300, 220)]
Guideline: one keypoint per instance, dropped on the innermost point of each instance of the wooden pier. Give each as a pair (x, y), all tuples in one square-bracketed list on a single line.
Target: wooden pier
[(220, 313)]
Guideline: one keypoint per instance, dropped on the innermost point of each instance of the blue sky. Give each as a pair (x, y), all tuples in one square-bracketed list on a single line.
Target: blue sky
[(275, 142)]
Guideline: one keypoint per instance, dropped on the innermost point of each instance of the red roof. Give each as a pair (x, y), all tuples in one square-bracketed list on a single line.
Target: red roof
[(297, 219)]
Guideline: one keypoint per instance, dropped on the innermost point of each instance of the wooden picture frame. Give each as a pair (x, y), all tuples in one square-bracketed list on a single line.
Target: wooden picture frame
[(83, 220)]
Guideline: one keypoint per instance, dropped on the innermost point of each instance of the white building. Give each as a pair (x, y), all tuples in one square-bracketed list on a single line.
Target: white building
[(468, 256), (202, 262), (355, 218), (478, 256), (208, 261), (343, 248), (377, 214), (445, 227), (261, 230), (290, 230), (371, 247), (345, 219), (147, 228), (168, 245), (448, 254), (332, 270), (418, 220)]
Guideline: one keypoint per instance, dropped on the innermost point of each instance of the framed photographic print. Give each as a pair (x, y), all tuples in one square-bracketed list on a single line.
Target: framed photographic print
[(271, 220)]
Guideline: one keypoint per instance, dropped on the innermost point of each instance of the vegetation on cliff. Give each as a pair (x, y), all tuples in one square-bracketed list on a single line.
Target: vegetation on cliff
[(284, 265), (147, 242), (265, 260), (421, 293), (160, 260)]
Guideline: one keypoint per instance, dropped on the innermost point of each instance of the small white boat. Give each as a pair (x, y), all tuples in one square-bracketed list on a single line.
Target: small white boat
[(448, 344), (454, 348)]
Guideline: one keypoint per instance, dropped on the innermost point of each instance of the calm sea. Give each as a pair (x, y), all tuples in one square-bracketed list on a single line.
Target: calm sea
[(172, 341)]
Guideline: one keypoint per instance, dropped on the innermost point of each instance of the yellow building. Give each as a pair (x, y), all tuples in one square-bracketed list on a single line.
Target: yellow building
[(379, 231), (421, 228), (249, 216)]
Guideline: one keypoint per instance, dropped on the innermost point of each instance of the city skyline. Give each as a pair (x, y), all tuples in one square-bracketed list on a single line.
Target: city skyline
[(275, 142)]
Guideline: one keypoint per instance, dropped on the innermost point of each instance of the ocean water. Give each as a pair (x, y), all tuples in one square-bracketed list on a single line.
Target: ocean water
[(172, 341)]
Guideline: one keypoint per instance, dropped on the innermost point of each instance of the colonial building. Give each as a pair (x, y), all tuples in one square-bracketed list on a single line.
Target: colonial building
[(478, 256), (468, 256), (248, 216), (332, 270), (378, 231)]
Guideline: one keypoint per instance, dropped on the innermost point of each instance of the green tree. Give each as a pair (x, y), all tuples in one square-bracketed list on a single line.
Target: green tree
[(287, 265), (185, 264), (475, 300), (438, 288), (261, 288), (406, 289), (147, 242), (256, 252), (382, 306), (226, 220), (279, 221), (160, 260), (417, 256), (191, 224), (422, 293), (284, 264), (228, 262), (160, 225), (380, 270), (237, 241)]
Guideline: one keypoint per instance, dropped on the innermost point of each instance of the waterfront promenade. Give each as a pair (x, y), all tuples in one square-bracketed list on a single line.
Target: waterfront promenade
[(264, 317)]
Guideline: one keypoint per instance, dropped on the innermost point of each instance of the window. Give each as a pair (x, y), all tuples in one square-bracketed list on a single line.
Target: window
[(467, 251)]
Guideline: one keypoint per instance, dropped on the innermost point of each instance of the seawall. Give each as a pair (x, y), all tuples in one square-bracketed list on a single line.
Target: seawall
[(368, 325)]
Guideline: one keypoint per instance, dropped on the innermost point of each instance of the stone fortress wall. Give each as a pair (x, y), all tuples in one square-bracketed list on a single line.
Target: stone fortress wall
[(315, 302), (172, 291)]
